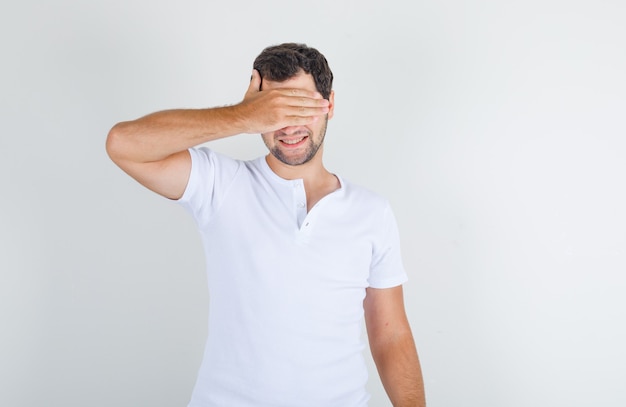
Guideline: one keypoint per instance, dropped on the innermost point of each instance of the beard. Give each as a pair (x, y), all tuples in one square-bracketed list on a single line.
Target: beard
[(311, 148)]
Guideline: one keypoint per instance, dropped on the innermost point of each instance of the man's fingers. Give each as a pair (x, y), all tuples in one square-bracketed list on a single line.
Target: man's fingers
[(306, 107), (281, 107), (308, 101), (308, 111), (300, 102), (303, 93), (300, 121)]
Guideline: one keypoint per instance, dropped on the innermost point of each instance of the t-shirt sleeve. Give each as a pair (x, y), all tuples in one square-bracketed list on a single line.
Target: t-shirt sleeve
[(210, 176), (387, 269)]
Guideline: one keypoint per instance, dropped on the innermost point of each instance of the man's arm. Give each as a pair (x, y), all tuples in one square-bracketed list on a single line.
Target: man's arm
[(153, 149), (393, 348)]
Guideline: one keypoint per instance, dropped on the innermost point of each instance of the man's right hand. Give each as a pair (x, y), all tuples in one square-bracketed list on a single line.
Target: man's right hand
[(264, 111)]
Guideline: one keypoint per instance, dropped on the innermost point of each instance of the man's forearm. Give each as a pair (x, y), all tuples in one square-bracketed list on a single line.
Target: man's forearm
[(400, 372), (159, 135)]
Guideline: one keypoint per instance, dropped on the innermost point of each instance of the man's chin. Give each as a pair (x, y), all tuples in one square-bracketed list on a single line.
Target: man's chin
[(294, 160)]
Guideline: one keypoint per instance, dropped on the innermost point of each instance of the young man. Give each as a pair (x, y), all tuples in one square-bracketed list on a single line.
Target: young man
[(295, 255)]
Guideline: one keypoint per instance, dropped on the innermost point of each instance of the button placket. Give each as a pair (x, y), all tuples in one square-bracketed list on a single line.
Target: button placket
[(299, 199)]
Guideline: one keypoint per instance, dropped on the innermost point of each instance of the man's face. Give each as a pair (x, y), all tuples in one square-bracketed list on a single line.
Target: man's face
[(296, 145)]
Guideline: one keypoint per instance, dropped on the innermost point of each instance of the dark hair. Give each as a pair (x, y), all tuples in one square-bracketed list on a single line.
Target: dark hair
[(281, 62)]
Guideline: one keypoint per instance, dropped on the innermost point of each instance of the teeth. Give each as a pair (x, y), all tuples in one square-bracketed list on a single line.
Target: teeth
[(293, 141)]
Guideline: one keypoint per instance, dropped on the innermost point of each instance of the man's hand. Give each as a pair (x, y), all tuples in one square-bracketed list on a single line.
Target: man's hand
[(270, 110)]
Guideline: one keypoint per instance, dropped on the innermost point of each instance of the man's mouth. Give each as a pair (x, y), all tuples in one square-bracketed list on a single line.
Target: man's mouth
[(293, 141)]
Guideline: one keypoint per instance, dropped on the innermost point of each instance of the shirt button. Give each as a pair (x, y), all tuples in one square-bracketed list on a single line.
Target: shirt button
[(301, 205)]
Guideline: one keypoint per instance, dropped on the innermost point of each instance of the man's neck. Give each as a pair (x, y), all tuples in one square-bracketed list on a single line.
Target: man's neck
[(318, 181), (312, 171)]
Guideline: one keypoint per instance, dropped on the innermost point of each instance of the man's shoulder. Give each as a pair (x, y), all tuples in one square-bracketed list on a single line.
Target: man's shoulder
[(218, 161)]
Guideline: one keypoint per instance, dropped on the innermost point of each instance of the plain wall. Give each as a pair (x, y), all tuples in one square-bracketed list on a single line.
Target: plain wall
[(496, 129)]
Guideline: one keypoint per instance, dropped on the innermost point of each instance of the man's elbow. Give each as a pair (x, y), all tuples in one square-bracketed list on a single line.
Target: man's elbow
[(390, 345), (115, 142)]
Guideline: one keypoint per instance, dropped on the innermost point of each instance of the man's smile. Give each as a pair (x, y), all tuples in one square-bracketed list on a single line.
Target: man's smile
[(293, 141)]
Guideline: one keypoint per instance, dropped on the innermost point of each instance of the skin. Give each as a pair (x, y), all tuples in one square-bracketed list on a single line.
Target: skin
[(296, 145), (392, 346), (291, 117), (303, 159)]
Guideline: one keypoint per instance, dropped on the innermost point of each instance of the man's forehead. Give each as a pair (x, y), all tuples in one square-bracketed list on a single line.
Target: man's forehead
[(300, 80)]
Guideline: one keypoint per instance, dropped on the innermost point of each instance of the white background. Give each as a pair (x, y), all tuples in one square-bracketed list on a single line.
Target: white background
[(497, 130)]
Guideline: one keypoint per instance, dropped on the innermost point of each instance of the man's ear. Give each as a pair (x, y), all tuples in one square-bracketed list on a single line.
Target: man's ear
[(331, 106)]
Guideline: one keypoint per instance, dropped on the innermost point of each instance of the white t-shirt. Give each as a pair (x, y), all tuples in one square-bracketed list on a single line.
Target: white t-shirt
[(286, 287)]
